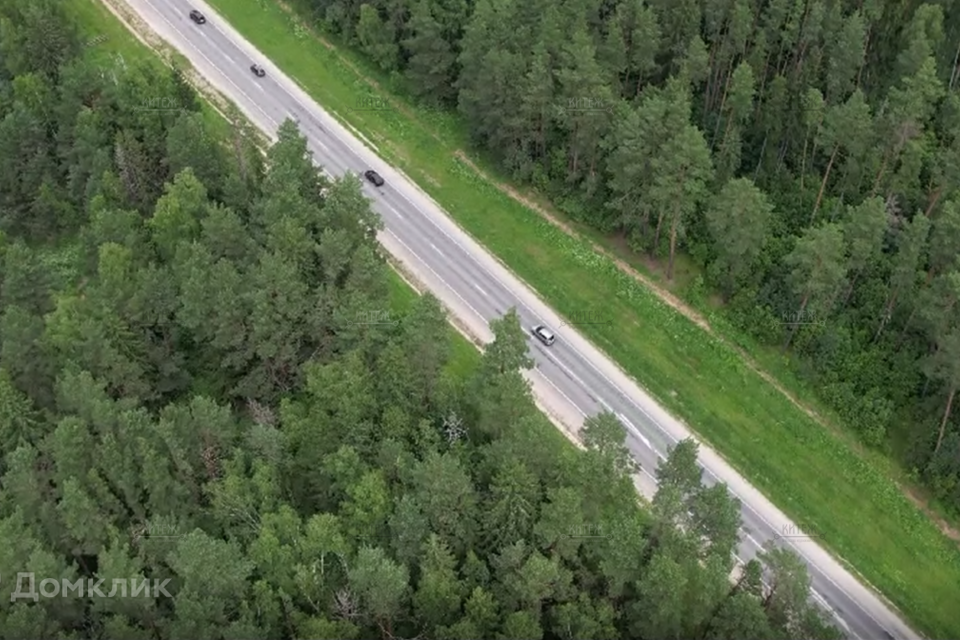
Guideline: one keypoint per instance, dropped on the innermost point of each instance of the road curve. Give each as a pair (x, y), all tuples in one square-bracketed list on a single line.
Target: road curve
[(573, 377)]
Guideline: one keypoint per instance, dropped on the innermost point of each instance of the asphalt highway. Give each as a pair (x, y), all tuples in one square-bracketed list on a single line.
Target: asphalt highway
[(476, 289)]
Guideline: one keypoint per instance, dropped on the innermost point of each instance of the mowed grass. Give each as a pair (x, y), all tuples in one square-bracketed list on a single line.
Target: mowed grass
[(846, 500)]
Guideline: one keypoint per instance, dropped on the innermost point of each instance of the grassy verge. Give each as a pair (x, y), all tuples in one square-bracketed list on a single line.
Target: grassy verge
[(108, 42), (846, 500)]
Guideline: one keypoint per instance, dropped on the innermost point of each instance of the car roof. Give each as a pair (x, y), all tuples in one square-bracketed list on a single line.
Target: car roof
[(544, 331)]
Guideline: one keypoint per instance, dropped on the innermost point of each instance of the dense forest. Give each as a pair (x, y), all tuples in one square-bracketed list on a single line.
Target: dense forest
[(189, 393), (804, 153)]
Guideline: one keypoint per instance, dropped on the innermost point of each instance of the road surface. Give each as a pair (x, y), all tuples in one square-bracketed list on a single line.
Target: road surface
[(572, 378)]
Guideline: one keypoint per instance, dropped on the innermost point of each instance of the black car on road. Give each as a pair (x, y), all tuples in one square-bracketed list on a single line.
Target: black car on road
[(257, 70), (374, 177), (197, 17)]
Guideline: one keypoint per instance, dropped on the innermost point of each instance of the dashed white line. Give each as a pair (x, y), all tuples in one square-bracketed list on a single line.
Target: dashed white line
[(436, 249), (479, 315), (393, 210), (219, 70), (637, 433), (480, 289)]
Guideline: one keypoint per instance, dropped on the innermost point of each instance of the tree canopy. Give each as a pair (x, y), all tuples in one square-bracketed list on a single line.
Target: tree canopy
[(192, 392), (753, 136)]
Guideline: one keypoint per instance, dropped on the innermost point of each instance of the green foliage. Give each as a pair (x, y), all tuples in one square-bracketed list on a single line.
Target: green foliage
[(870, 116), (866, 358), (206, 410)]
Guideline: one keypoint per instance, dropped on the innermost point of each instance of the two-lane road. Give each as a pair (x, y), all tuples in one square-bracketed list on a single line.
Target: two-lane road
[(476, 288)]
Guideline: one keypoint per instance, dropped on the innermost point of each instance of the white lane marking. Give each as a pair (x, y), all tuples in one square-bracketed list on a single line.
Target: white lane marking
[(470, 256), (437, 250), (260, 85), (331, 165), (816, 596), (219, 70), (308, 110), (436, 275), (743, 503), (826, 605), (637, 433), (480, 289), (606, 406), (644, 471), (383, 203), (477, 313)]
